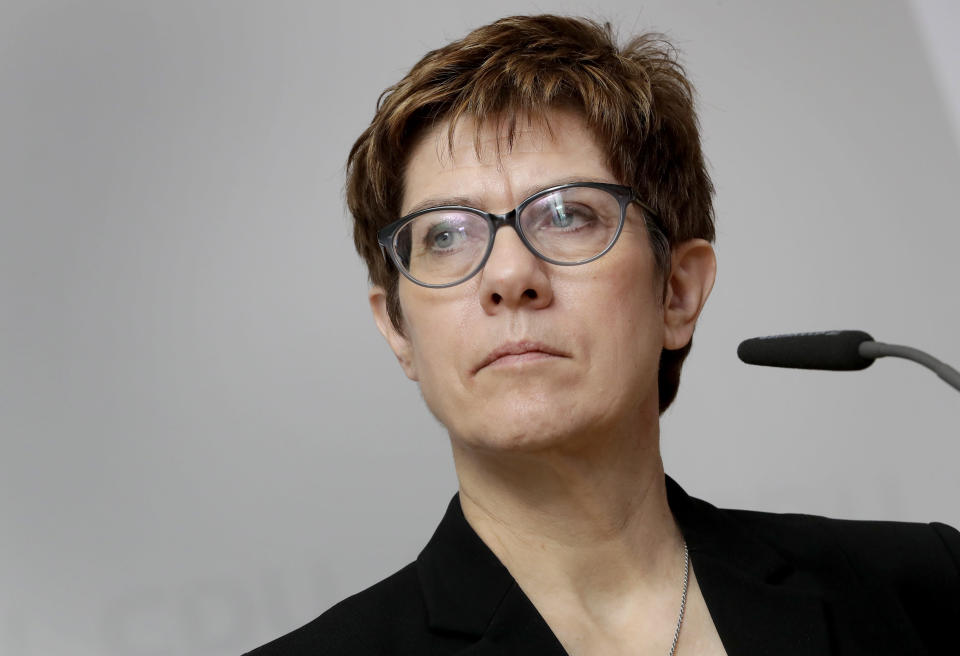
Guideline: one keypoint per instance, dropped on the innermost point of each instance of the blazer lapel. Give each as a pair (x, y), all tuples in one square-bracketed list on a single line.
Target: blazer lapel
[(753, 616), (763, 602), (468, 591), (746, 586), (516, 629)]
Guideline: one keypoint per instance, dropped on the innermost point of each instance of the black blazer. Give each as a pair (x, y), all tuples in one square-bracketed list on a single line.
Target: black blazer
[(774, 584)]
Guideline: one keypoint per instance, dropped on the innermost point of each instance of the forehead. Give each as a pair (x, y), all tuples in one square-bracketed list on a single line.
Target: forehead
[(484, 162)]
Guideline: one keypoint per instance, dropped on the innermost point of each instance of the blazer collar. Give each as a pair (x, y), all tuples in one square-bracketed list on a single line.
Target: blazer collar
[(463, 581), (467, 590), (759, 601), (755, 600)]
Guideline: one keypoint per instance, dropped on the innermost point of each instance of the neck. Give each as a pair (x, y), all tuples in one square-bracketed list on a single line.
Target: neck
[(553, 516)]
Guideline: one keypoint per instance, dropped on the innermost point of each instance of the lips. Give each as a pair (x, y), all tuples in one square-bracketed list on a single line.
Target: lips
[(518, 348)]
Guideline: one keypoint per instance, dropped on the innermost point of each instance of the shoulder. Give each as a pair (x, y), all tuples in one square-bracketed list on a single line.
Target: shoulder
[(892, 549), (393, 607), (919, 563), (896, 549)]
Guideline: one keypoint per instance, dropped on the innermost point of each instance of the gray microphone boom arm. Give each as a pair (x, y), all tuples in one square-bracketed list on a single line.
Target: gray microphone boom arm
[(873, 350)]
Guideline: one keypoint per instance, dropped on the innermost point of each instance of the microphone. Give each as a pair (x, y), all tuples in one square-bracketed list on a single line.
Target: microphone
[(835, 350)]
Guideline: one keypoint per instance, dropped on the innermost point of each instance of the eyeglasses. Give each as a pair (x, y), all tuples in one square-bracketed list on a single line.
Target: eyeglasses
[(566, 225)]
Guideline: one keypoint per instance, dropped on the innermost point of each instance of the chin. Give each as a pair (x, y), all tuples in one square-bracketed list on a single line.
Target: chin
[(531, 426), (510, 441), (530, 431)]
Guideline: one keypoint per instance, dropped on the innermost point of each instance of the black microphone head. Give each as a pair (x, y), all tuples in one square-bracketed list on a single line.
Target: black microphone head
[(837, 350)]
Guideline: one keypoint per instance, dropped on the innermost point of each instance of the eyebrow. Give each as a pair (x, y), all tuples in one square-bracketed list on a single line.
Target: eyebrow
[(467, 201)]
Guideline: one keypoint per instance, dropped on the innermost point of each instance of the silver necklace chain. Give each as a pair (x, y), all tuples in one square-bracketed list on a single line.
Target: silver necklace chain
[(683, 597)]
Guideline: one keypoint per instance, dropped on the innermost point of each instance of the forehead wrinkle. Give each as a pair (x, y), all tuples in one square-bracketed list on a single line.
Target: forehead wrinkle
[(490, 138), (476, 203), (500, 130), (450, 149)]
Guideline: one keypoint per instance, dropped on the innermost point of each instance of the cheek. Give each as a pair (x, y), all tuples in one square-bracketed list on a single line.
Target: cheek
[(625, 301), (436, 322)]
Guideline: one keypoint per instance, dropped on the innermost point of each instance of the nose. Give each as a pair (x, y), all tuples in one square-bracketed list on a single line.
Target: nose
[(513, 277)]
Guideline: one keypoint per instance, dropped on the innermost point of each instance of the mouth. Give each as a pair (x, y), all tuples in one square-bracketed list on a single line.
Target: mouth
[(518, 353)]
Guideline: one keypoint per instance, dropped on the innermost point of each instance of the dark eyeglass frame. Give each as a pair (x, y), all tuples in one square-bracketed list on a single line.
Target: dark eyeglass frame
[(623, 194)]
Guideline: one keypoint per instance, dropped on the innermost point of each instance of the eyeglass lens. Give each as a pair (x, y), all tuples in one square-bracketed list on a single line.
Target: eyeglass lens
[(567, 226)]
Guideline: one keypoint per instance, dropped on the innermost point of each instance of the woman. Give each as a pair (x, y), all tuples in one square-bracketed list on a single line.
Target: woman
[(534, 210)]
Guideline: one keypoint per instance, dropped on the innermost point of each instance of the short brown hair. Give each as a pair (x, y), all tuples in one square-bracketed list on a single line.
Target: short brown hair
[(636, 99)]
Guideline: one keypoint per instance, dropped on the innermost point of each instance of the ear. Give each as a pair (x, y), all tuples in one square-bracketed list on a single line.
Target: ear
[(399, 343), (693, 268)]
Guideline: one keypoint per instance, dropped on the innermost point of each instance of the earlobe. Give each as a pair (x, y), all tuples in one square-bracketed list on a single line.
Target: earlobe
[(398, 342), (692, 273)]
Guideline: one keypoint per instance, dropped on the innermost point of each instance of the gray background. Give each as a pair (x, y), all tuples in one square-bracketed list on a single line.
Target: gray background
[(203, 440)]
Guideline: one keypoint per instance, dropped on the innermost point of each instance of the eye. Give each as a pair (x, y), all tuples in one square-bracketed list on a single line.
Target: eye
[(566, 217), (558, 213), (443, 233), (443, 237)]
